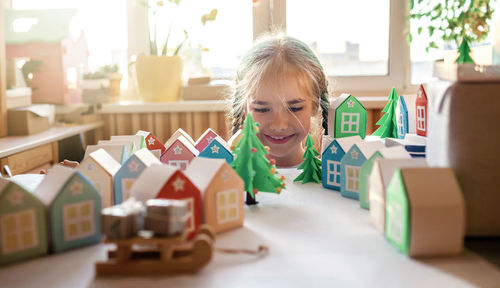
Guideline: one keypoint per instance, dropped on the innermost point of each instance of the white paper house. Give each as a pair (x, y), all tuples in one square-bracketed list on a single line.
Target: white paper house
[(177, 133), (118, 151), (151, 181)]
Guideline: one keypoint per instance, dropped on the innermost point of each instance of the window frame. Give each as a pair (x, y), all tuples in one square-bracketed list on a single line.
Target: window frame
[(337, 170)]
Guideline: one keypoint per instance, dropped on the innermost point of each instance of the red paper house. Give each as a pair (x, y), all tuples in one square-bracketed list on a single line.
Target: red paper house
[(421, 112), (180, 153), (205, 139), (152, 143)]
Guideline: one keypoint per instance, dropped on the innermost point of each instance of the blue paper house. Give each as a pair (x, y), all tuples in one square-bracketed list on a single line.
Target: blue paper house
[(333, 151), (73, 209), (402, 117), (346, 117), (351, 164), (130, 171), (218, 149)]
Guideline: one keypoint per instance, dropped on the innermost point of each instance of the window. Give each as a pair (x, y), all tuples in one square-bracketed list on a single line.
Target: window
[(19, 231), (127, 184), (180, 164), (78, 220), (352, 178), (227, 206), (401, 124), (190, 215), (421, 118), (350, 123), (333, 173), (395, 224)]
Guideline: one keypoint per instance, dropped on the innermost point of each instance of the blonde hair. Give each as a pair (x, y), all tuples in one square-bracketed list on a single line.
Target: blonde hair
[(274, 56)]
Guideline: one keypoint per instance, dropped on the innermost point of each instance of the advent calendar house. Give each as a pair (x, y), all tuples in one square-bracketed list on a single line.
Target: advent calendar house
[(346, 117), (117, 151), (218, 149), (421, 106), (233, 140), (402, 117), (333, 152), (179, 132), (152, 143), (138, 140), (180, 152), (205, 139)]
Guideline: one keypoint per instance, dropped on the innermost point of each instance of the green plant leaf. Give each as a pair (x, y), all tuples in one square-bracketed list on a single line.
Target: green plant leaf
[(419, 31), (209, 16)]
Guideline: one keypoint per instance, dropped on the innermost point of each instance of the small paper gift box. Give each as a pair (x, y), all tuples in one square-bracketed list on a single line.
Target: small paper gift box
[(122, 221), (165, 217)]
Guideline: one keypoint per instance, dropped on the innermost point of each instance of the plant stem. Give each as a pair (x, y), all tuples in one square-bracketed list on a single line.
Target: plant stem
[(165, 47)]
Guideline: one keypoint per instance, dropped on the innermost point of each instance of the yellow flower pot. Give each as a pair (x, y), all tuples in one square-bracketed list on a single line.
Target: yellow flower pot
[(159, 78)]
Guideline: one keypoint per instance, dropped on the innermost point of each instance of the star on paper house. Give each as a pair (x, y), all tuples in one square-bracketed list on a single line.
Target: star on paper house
[(346, 117), (118, 151), (425, 212), (152, 143), (402, 117), (129, 172), (395, 152), (74, 218), (333, 152), (233, 140), (205, 139), (414, 144), (218, 149), (167, 182), (222, 191), (379, 178), (100, 169), (180, 152), (23, 228), (421, 107), (351, 163)]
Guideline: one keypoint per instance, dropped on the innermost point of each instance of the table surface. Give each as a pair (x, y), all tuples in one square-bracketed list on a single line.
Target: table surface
[(315, 237)]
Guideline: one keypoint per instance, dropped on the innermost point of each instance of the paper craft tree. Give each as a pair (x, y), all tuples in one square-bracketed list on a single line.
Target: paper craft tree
[(311, 164), (464, 51), (388, 124), (251, 164)]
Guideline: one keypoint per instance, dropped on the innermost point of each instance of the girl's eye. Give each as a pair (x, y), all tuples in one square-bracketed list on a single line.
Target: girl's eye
[(296, 109), (261, 110)]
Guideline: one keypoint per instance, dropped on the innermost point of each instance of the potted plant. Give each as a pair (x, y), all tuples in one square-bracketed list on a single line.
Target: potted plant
[(159, 74)]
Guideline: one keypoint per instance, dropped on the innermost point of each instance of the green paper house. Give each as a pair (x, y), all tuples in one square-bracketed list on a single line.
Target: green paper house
[(346, 117), (425, 212)]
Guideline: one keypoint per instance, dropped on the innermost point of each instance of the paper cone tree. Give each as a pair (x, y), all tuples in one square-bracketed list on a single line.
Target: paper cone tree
[(311, 166), (388, 125), (464, 51), (251, 164)]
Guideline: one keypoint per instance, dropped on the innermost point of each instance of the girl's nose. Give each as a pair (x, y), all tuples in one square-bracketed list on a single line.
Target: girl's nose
[(279, 121)]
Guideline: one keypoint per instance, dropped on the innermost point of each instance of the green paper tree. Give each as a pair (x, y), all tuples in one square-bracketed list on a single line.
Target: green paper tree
[(251, 164), (464, 53), (311, 164), (388, 125)]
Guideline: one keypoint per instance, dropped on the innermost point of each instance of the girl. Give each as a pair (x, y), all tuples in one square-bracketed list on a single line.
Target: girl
[(282, 84)]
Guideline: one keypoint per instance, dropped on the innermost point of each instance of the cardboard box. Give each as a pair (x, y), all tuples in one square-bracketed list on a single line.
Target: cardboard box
[(30, 120), (77, 113)]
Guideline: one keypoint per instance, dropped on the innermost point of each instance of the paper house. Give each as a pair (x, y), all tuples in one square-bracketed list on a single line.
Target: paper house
[(346, 117), (205, 140), (233, 141), (73, 208), (152, 143), (350, 166), (402, 117), (138, 140), (166, 182), (117, 151), (421, 112), (395, 152), (180, 152), (223, 192), (23, 229), (382, 172), (128, 144), (414, 144), (129, 172), (425, 212), (333, 152), (218, 149), (100, 168), (179, 132)]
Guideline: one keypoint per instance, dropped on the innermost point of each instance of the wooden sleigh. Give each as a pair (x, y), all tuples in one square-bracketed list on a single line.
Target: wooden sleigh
[(169, 255)]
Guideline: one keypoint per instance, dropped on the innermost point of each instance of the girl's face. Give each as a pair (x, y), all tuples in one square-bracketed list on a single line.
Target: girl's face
[(284, 114)]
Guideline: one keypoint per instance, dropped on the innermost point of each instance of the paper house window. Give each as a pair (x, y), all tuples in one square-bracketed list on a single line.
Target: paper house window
[(78, 220), (350, 123), (227, 206), (19, 231), (190, 215), (421, 118), (352, 178), (395, 225), (127, 184), (401, 125), (180, 164), (333, 172)]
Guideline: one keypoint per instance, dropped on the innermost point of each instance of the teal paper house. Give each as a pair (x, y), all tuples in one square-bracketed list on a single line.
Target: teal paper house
[(23, 231), (425, 212), (402, 118), (217, 149), (333, 151), (73, 208), (346, 117), (351, 165), (130, 171)]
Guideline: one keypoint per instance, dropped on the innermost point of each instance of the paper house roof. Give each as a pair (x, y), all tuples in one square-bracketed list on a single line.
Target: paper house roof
[(176, 135), (233, 140), (205, 139), (129, 145), (368, 148), (118, 151), (387, 167), (410, 139), (345, 143), (152, 142), (103, 159), (201, 171), (28, 181), (214, 150), (186, 143), (146, 157), (151, 181), (395, 152), (54, 181), (137, 139)]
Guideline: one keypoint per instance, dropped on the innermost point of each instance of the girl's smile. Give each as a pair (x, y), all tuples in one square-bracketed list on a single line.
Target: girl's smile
[(279, 139)]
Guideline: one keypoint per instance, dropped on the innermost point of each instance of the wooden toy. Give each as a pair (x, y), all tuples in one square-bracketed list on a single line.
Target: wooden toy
[(425, 212), (414, 144), (333, 152), (223, 192), (381, 174), (205, 139), (165, 217), (169, 255), (388, 123), (421, 112), (100, 168), (346, 117), (217, 149), (351, 164), (177, 133), (23, 228), (311, 165), (233, 141), (402, 118), (138, 140), (395, 152), (179, 153), (152, 143), (117, 151), (125, 177), (73, 208)]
